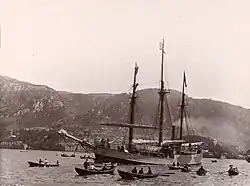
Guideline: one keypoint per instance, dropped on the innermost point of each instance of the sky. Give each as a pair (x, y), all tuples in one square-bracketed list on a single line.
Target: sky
[(91, 46)]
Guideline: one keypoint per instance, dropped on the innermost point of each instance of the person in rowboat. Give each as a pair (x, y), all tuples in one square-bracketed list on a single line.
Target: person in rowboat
[(141, 171), (92, 167), (232, 168), (86, 164), (149, 171), (112, 165), (46, 161), (134, 170), (104, 167), (40, 160), (201, 169)]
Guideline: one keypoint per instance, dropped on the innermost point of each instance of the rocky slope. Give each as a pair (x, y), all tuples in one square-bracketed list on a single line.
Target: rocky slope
[(23, 105), (207, 117)]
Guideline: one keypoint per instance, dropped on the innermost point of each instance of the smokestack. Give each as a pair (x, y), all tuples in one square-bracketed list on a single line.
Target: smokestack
[(173, 132)]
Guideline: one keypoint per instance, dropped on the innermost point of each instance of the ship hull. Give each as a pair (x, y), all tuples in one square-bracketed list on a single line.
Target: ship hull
[(112, 155)]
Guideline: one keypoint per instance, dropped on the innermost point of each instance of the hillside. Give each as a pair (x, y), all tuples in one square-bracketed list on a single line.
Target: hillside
[(24, 105), (207, 117)]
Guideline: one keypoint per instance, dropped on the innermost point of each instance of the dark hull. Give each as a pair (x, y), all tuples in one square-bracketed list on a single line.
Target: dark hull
[(112, 155), (201, 173), (174, 167), (233, 172), (65, 156), (35, 164), (82, 157), (131, 176), (84, 172), (185, 170)]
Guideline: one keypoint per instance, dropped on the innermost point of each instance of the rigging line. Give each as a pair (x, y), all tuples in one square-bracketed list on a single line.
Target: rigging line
[(168, 111), (145, 131), (150, 133), (165, 70), (120, 132), (188, 116), (129, 90), (86, 149), (188, 123), (76, 147), (70, 146)]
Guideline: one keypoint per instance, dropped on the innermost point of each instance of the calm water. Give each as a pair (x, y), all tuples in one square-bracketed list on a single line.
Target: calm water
[(15, 170)]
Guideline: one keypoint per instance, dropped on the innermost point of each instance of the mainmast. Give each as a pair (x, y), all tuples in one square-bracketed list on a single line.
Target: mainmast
[(162, 94), (183, 103), (132, 108)]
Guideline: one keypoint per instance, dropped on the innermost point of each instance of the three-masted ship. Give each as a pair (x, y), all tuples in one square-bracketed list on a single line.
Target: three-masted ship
[(163, 151)]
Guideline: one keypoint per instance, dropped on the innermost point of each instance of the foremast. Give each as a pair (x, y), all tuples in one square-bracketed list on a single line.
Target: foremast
[(132, 108), (162, 94), (184, 84)]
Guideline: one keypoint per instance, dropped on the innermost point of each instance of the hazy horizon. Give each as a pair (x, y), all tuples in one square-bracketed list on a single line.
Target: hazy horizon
[(65, 44)]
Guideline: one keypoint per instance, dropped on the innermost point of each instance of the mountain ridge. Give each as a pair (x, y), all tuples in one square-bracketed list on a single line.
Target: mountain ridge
[(24, 105)]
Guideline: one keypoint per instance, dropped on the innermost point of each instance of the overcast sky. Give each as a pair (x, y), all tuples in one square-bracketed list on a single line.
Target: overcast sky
[(91, 46)]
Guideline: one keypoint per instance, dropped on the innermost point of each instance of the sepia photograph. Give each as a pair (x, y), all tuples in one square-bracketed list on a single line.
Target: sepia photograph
[(125, 92)]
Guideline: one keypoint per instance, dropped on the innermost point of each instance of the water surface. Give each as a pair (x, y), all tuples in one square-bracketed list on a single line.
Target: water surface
[(14, 169)]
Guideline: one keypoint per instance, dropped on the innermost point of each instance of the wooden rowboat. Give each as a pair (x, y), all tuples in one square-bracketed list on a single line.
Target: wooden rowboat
[(65, 155), (86, 157), (35, 164), (201, 172), (233, 172), (171, 167), (85, 172), (131, 176)]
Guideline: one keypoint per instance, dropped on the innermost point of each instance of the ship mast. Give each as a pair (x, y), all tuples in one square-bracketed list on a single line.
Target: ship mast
[(132, 108), (162, 94), (183, 103)]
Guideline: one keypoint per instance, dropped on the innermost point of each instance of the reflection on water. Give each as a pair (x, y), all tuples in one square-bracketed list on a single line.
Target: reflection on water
[(15, 170)]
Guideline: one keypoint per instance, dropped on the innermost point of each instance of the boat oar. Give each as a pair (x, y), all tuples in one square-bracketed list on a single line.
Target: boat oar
[(166, 174), (169, 173)]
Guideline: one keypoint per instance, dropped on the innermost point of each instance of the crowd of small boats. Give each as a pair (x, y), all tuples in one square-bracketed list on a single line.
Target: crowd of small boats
[(201, 171), (90, 168)]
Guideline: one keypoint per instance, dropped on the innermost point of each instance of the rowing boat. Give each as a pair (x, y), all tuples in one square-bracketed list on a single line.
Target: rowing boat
[(84, 172), (171, 167), (131, 176), (233, 171), (35, 164)]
